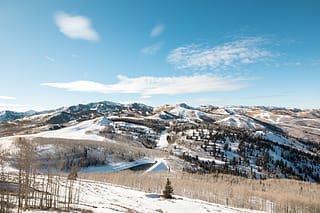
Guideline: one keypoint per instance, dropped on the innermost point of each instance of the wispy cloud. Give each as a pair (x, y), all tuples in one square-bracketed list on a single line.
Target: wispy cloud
[(75, 27), (49, 58), (232, 54), (148, 85), (238, 100), (14, 107), (7, 98), (145, 97), (152, 49), (157, 30)]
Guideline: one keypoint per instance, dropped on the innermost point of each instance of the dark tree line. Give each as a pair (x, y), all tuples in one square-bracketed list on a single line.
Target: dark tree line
[(253, 151)]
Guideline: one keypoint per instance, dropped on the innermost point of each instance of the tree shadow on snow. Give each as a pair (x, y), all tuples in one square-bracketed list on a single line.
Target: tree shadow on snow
[(153, 196)]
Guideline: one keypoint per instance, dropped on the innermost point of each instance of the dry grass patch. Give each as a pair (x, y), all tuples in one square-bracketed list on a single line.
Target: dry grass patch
[(273, 195)]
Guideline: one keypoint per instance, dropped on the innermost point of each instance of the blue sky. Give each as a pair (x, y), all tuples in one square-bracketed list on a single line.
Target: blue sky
[(59, 53)]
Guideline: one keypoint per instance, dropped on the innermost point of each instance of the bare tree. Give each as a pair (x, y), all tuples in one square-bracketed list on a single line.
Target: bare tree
[(3, 202), (26, 163)]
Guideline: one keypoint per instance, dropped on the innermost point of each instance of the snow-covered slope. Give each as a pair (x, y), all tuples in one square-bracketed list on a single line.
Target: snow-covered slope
[(182, 113), (163, 142), (238, 121), (10, 115), (303, 124), (262, 140), (115, 167), (86, 130), (102, 197), (83, 130)]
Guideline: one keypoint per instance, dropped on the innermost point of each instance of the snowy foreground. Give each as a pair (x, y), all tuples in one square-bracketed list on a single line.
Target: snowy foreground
[(101, 197)]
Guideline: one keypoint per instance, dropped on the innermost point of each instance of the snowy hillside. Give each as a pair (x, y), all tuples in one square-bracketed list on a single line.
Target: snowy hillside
[(254, 142), (106, 198), (83, 130), (10, 115), (106, 138), (101, 197)]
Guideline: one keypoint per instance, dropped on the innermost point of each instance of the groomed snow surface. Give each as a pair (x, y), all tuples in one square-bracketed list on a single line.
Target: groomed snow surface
[(159, 164), (162, 143), (85, 130)]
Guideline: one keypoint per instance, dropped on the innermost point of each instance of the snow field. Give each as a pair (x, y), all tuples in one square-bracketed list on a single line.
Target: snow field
[(103, 197)]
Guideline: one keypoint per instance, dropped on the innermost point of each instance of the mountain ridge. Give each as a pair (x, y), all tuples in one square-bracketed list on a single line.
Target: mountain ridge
[(254, 142)]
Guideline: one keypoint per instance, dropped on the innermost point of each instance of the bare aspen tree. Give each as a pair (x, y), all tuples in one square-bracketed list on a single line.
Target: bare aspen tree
[(3, 203), (42, 194), (71, 182), (26, 163), (30, 189)]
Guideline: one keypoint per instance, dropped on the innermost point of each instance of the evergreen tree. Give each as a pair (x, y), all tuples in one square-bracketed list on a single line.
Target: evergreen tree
[(168, 190)]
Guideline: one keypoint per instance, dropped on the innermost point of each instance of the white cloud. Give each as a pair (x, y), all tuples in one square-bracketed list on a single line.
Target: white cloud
[(21, 107), (7, 98), (145, 97), (157, 30), (75, 27), (148, 85), (230, 54), (81, 86), (14, 107), (152, 49), (206, 100), (49, 58)]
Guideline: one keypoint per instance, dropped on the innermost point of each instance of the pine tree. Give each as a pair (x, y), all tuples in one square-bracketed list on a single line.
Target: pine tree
[(168, 190)]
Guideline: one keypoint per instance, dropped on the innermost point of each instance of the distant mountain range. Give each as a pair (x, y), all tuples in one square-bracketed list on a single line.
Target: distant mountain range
[(299, 123), (255, 142)]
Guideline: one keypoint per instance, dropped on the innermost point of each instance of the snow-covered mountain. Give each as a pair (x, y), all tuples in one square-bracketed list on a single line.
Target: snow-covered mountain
[(10, 115), (255, 142)]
